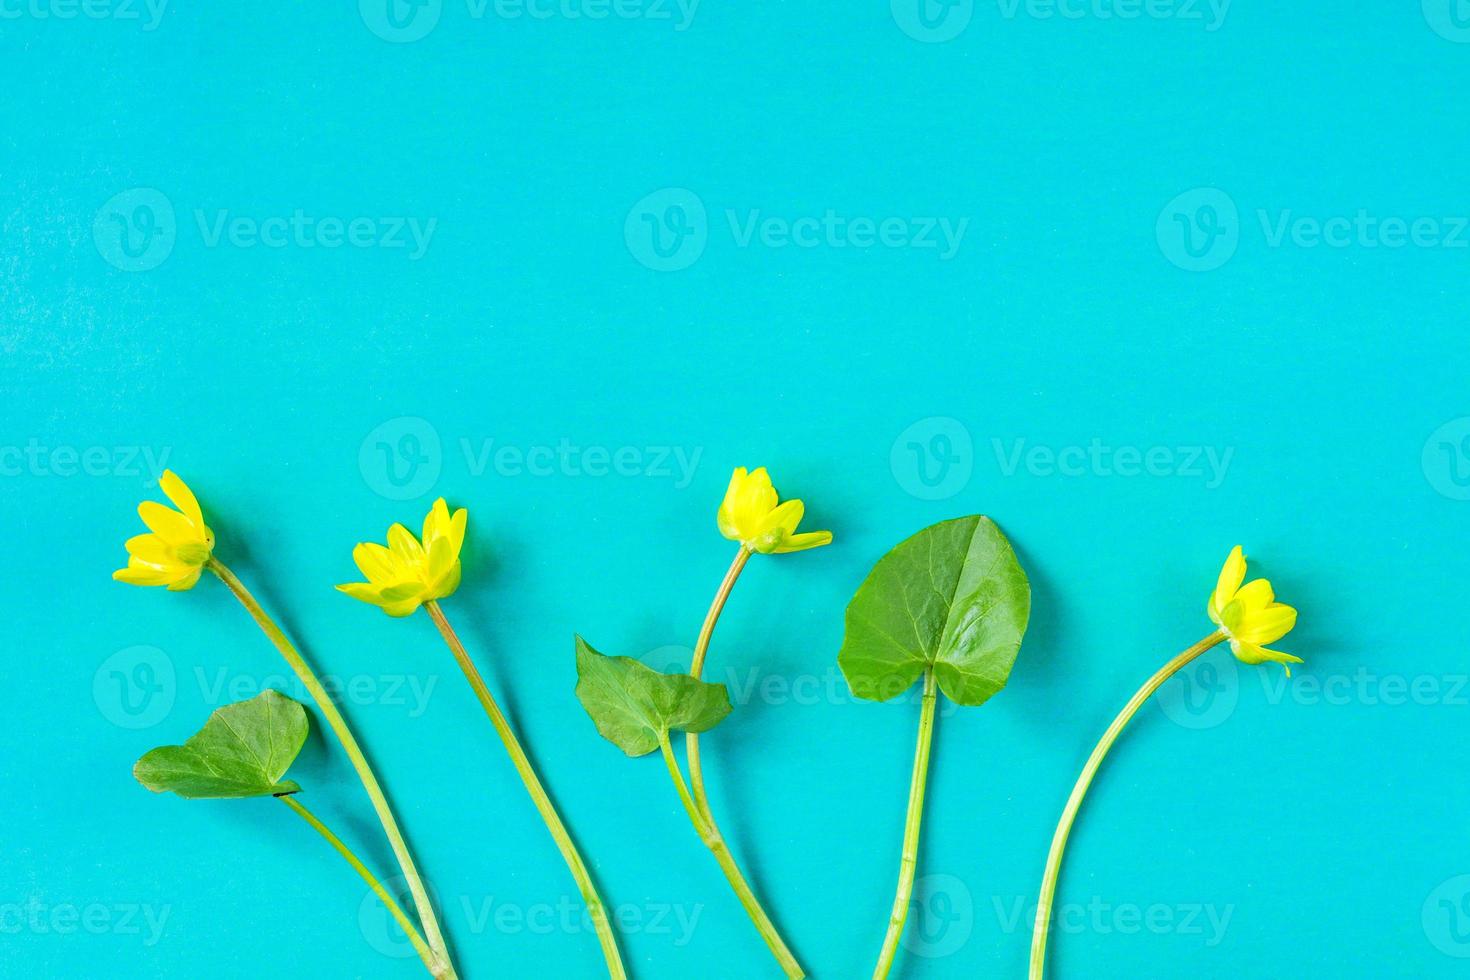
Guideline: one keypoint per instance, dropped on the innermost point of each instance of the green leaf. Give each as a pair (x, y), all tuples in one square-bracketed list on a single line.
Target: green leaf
[(635, 706), (243, 750), (952, 597)]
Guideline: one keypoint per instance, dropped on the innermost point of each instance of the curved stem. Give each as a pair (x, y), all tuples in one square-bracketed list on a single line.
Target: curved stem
[(355, 756), (422, 948), (1069, 813), (696, 667), (910, 860), (710, 834), (595, 908)]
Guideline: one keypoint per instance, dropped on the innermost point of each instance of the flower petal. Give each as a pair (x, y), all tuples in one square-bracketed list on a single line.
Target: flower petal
[(1252, 653), (1232, 573), (378, 564), (436, 522), (168, 524), (361, 590), (187, 582), (1255, 596), (457, 528), (141, 575), (801, 542), (1266, 625), (404, 544), (149, 548), (178, 491)]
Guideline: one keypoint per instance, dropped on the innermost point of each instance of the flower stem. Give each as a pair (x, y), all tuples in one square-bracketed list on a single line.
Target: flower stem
[(422, 948), (445, 967), (1069, 813), (710, 832), (910, 860), (712, 839), (595, 908)]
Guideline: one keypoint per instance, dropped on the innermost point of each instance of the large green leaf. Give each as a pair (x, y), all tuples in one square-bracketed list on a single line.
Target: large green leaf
[(952, 597), (243, 750), (635, 706)]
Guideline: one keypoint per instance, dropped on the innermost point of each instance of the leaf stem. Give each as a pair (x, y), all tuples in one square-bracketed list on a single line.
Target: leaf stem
[(595, 908), (910, 859), (711, 835), (1069, 813), (445, 967), (422, 948)]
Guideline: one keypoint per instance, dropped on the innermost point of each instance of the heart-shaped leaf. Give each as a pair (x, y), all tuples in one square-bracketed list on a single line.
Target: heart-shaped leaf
[(952, 597), (635, 706), (243, 750)]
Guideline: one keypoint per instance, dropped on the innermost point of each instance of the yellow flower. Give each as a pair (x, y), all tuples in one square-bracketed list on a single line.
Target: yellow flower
[(751, 515), (179, 544), (410, 572), (1249, 615)]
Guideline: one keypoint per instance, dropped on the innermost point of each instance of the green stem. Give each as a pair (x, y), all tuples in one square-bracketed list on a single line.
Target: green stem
[(910, 860), (711, 834), (595, 908), (712, 839), (1069, 813), (422, 948), (338, 724)]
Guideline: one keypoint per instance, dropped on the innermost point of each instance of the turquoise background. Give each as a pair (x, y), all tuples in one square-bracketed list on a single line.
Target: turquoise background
[(1324, 823)]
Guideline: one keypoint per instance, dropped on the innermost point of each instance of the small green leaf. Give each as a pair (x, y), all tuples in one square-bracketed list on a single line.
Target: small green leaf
[(635, 706), (243, 750), (952, 597)]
